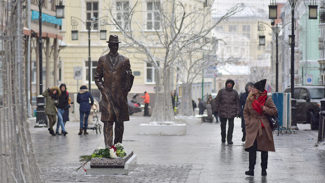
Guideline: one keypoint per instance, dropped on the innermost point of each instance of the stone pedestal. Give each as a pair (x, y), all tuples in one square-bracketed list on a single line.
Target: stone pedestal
[(163, 128), (117, 166)]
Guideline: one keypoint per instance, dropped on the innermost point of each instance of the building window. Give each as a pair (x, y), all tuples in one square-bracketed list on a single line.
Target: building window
[(34, 75), (53, 5), (246, 28), (232, 28), (74, 35), (219, 28), (92, 12), (150, 73), (102, 34), (93, 70), (122, 14), (153, 15)]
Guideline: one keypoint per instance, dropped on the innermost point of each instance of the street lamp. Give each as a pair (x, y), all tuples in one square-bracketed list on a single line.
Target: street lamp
[(41, 119), (312, 11), (59, 10), (273, 11)]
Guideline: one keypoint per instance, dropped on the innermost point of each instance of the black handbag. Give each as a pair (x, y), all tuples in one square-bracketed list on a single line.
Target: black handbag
[(274, 121)]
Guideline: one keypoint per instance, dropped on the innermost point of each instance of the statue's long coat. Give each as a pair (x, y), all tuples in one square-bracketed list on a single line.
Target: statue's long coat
[(116, 79)]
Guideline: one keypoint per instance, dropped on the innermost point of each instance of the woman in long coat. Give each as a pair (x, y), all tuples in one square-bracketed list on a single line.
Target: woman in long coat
[(259, 135)]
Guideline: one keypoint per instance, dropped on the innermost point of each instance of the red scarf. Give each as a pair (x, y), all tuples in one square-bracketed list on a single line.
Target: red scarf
[(258, 103)]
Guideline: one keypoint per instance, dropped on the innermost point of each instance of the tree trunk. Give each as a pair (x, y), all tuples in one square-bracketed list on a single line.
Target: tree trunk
[(186, 104), (163, 110)]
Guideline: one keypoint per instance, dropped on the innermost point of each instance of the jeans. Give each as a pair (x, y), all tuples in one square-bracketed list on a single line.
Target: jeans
[(60, 121), (84, 120)]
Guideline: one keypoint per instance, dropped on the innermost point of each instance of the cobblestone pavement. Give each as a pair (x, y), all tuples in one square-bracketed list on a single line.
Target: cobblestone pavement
[(198, 156)]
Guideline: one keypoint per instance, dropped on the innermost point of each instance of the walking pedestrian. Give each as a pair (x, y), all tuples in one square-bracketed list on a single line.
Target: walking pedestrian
[(62, 106), (146, 100), (201, 106), (51, 96), (242, 98), (259, 135), (209, 110), (193, 105), (228, 108), (215, 109), (83, 98)]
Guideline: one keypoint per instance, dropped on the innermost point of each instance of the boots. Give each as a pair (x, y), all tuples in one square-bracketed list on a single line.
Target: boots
[(264, 172), (51, 131), (85, 131), (80, 132), (250, 172)]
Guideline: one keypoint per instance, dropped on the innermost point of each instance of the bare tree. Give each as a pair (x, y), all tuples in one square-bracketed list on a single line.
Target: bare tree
[(178, 31)]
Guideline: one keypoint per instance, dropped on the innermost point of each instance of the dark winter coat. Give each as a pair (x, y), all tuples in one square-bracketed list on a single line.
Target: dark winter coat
[(51, 100), (83, 98), (214, 106), (242, 99), (254, 128), (63, 100), (227, 102), (116, 80), (202, 106)]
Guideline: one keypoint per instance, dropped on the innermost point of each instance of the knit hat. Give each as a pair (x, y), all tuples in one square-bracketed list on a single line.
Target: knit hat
[(260, 85), (83, 87)]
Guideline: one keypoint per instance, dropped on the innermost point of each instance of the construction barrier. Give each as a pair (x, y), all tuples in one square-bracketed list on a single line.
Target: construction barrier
[(282, 102)]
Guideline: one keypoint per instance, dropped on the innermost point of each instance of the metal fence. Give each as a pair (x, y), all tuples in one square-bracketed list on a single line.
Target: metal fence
[(17, 161)]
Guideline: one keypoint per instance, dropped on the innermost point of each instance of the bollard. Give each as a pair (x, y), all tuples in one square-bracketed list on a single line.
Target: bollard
[(293, 112), (321, 126)]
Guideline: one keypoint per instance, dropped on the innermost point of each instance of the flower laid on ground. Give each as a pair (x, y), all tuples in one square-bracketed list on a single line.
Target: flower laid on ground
[(115, 151), (120, 150)]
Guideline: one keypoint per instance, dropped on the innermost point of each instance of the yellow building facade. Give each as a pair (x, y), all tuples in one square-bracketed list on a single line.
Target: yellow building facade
[(103, 16)]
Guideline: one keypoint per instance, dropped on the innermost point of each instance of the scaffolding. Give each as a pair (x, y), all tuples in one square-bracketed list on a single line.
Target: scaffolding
[(18, 162)]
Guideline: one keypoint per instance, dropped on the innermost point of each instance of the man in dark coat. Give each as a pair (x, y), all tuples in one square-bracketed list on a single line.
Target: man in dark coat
[(114, 79), (242, 98), (83, 98), (201, 106), (228, 108)]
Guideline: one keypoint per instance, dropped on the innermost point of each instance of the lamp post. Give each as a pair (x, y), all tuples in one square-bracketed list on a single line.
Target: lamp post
[(102, 36), (275, 30), (273, 15), (41, 119)]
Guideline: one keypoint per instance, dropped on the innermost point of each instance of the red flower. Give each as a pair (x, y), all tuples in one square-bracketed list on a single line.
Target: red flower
[(113, 148)]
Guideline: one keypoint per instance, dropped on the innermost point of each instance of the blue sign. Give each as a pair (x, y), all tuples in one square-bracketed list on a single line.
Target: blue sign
[(46, 18)]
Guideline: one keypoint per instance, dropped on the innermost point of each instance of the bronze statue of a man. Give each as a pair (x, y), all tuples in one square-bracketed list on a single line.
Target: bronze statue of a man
[(114, 79)]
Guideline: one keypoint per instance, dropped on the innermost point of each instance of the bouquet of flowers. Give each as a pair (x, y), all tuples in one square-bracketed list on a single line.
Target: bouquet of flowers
[(115, 151)]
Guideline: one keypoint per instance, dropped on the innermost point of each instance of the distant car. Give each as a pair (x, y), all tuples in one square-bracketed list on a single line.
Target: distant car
[(134, 107), (308, 104)]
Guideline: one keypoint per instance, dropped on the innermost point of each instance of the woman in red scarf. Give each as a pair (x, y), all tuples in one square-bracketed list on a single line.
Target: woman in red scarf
[(259, 135)]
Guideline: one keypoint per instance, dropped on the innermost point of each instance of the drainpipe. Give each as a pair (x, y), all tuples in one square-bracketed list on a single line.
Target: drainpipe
[(29, 114)]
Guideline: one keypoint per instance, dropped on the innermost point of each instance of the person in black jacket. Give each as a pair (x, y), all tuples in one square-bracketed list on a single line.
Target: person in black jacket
[(242, 99), (83, 98), (228, 108), (63, 104)]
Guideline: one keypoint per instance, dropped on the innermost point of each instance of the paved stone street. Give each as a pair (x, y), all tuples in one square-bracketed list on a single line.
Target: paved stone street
[(197, 157)]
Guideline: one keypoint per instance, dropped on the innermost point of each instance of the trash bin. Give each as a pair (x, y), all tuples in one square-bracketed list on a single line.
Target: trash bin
[(321, 125), (41, 119)]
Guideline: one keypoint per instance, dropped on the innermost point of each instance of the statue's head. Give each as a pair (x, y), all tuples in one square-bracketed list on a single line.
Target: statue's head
[(113, 43)]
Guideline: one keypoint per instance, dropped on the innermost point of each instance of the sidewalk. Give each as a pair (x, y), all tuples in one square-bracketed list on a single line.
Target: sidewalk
[(197, 157)]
